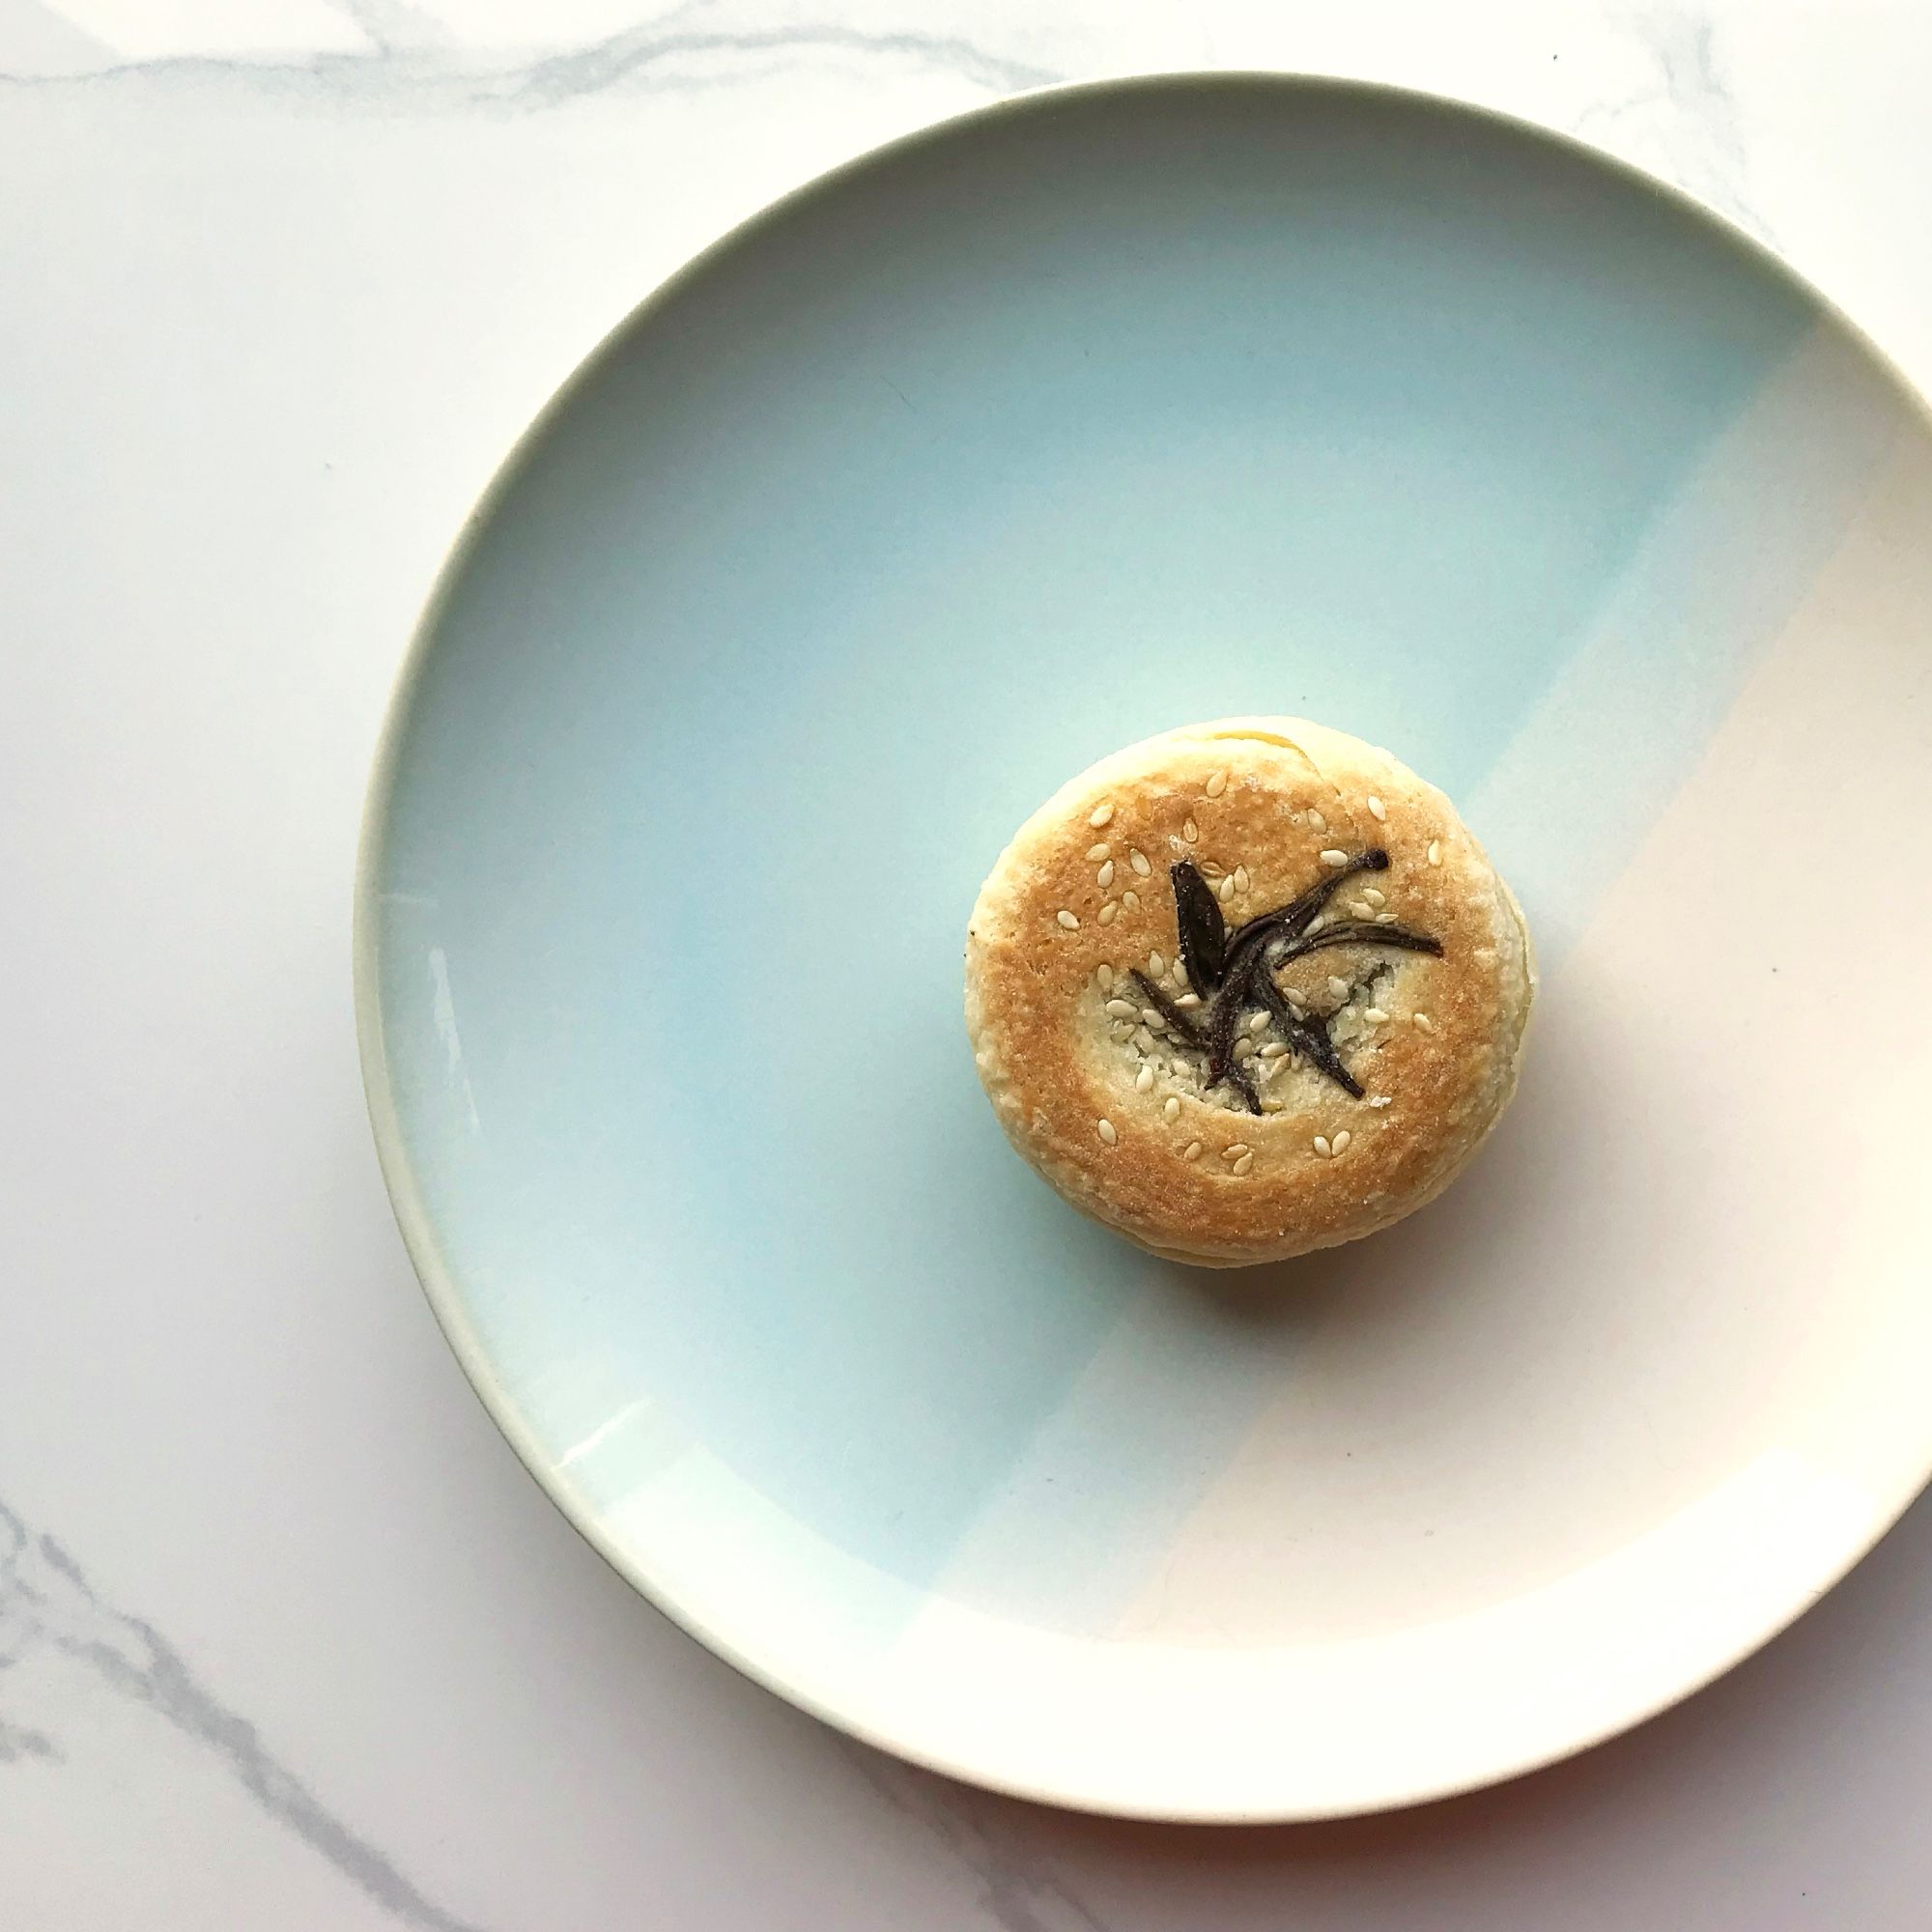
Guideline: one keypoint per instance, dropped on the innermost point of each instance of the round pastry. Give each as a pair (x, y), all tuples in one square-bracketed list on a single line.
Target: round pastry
[(1247, 989)]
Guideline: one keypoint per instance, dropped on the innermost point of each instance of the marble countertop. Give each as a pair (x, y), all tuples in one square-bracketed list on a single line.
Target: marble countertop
[(287, 1638)]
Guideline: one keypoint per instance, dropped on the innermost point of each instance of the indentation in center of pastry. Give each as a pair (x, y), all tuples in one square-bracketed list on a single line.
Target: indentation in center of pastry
[(1219, 1010)]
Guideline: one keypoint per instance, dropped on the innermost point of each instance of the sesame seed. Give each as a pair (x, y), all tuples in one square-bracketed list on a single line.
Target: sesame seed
[(1105, 975), (1296, 1001), (1144, 1039), (1316, 819), (1386, 919), (1427, 1024), (1123, 1009), (1151, 1018), (1098, 852), (1190, 832), (1375, 808), (1107, 913), (1144, 1080), (1121, 1031), (1236, 1151), (1170, 1112), (1245, 1048), (1259, 1024), (1106, 1131), (1331, 856), (1188, 1002), (1157, 965), (1338, 987), (1374, 895), (1181, 973), (1274, 1050), (1217, 785), (1105, 877), (1070, 921), (1191, 1151), (1131, 901), (1225, 891), (1241, 878), (1374, 1016), (1435, 851), (1099, 815), (1273, 1104), (1246, 1161), (1138, 859), (1321, 1146), (1208, 870), (1316, 923), (1361, 908), (1340, 1143)]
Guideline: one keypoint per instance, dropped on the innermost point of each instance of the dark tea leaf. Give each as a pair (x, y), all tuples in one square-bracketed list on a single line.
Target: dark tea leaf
[(1235, 977), (1204, 933)]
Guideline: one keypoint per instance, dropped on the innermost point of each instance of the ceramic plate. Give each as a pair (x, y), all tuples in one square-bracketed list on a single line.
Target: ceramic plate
[(1096, 412)]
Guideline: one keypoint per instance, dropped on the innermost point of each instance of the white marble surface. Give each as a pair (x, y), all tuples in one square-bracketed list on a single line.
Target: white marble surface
[(287, 1638)]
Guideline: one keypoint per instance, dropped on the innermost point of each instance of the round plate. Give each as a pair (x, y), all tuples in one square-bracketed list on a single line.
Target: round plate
[(1096, 412)]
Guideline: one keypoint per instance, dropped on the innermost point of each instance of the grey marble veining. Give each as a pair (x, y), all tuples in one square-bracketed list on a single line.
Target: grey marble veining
[(46, 1600), (1664, 99), (48, 1603), (700, 44), (1019, 1889), (1677, 112), (633, 58)]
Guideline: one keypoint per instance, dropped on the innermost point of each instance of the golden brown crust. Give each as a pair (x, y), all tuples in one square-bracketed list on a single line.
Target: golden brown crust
[(1254, 802)]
